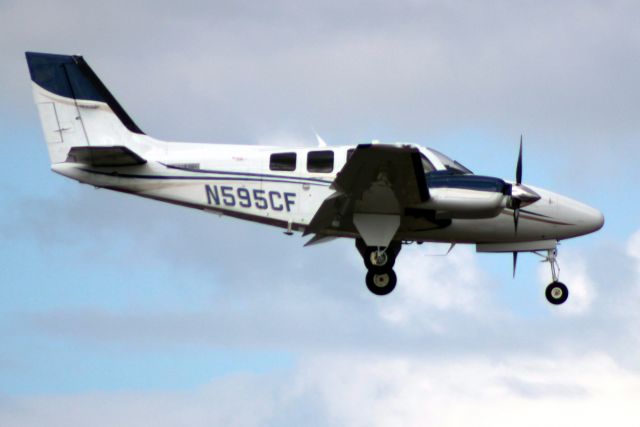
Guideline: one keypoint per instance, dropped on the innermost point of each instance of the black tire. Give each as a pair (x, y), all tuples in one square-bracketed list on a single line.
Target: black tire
[(556, 293), (369, 257), (381, 282)]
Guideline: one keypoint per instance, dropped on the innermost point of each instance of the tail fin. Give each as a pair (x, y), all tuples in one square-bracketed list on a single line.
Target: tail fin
[(75, 107)]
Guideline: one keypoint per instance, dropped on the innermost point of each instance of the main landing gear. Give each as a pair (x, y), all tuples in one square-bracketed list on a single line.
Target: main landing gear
[(381, 279), (556, 293)]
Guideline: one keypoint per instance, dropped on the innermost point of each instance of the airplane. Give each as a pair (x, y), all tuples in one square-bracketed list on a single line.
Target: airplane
[(383, 195)]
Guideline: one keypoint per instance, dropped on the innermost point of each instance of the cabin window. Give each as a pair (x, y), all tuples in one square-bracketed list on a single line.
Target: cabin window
[(283, 162), (320, 161)]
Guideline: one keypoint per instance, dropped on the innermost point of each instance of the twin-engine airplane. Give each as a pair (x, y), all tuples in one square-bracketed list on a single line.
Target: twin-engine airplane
[(381, 195)]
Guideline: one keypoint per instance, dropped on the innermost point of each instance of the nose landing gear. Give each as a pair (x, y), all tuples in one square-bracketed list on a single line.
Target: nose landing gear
[(556, 292)]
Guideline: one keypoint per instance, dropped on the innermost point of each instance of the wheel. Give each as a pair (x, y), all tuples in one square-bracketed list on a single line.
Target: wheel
[(556, 293), (380, 263), (381, 282)]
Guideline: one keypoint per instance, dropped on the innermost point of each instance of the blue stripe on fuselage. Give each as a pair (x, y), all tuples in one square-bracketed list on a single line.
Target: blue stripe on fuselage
[(323, 181), (254, 177)]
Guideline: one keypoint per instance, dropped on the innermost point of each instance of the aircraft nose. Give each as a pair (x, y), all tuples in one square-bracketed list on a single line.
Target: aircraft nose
[(586, 219), (594, 220), (580, 218)]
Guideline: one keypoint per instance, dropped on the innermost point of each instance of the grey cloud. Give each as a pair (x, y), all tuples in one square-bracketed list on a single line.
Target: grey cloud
[(536, 390), (244, 72), (238, 400), (121, 230), (310, 317), (404, 71)]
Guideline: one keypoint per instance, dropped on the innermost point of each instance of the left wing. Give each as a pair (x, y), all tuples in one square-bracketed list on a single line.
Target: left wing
[(401, 167), (371, 191)]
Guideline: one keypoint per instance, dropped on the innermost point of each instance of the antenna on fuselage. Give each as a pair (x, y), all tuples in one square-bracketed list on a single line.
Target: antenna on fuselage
[(321, 142)]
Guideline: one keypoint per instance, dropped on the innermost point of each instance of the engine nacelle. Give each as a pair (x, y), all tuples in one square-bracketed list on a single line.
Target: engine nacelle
[(465, 196)]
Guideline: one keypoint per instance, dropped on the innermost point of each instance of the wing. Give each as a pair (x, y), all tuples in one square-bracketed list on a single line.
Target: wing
[(400, 166), (105, 156), (371, 192)]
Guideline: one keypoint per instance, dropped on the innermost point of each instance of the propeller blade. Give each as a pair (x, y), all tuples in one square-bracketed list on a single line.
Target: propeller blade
[(515, 263), (519, 167), (515, 202)]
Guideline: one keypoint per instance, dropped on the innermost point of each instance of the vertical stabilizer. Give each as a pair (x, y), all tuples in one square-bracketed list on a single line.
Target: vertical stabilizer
[(76, 109)]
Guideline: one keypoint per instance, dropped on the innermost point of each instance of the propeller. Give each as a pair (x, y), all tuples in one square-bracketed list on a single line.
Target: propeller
[(516, 202), (519, 166), (521, 193)]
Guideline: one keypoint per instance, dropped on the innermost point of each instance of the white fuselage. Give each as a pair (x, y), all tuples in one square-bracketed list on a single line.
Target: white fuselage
[(239, 181)]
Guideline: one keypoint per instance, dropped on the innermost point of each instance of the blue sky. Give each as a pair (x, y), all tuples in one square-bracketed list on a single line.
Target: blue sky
[(115, 310)]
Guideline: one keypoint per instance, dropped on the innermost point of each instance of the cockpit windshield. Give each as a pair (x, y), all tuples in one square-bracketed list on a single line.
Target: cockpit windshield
[(450, 164), (426, 164)]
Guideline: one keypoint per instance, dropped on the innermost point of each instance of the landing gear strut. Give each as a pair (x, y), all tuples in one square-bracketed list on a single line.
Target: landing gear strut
[(379, 258), (556, 292), (381, 279)]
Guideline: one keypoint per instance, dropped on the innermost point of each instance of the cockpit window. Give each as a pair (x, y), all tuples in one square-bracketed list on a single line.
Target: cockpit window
[(426, 164), (450, 164)]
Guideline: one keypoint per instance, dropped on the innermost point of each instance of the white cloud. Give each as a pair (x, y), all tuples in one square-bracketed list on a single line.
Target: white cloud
[(370, 390), (633, 248), (588, 390), (432, 285)]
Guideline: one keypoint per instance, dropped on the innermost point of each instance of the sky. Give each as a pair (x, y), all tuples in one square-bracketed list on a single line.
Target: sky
[(121, 311)]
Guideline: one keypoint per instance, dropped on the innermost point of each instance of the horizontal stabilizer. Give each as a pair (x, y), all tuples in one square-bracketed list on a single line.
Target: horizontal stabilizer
[(105, 156)]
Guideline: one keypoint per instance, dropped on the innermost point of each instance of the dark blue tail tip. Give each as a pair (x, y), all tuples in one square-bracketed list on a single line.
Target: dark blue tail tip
[(38, 61), (71, 77)]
